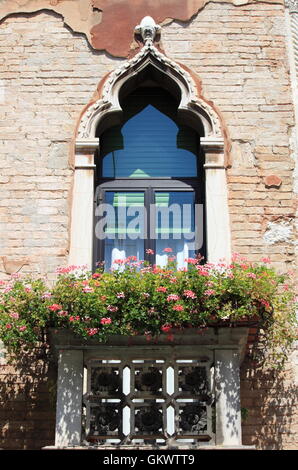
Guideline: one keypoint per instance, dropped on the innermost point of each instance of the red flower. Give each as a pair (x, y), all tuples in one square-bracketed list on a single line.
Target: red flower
[(166, 328), (96, 275), (172, 297), (106, 321), (191, 260), (72, 318), (112, 308), (178, 308), (168, 250), (161, 289), (190, 294), (92, 331), (55, 307), (209, 292)]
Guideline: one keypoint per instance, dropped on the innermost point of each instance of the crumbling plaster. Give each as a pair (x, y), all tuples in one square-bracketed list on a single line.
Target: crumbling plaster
[(109, 24)]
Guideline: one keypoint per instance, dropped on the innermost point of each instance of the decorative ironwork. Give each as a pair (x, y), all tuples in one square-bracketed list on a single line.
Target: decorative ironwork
[(162, 400), (149, 420), (193, 380), (103, 381), (193, 419), (149, 380), (105, 419)]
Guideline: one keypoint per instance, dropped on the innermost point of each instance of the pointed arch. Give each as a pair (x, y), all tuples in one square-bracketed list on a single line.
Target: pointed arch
[(166, 72)]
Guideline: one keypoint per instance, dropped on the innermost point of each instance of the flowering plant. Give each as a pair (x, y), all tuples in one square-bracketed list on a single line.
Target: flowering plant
[(139, 299)]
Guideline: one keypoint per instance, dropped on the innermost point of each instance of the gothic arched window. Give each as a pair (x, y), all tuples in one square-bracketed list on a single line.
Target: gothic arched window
[(149, 183)]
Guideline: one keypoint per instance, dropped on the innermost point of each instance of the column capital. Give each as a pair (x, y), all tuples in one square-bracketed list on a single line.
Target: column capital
[(90, 144), (212, 143), (292, 5)]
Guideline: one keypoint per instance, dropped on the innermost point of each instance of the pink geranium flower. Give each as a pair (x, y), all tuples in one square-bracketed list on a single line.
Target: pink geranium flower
[(209, 292), (88, 289), (191, 260), (189, 294), (92, 331), (14, 315), (161, 289), (62, 313), (106, 321), (178, 308), (74, 318), (166, 328), (96, 275), (46, 295), (265, 303), (54, 307), (172, 297), (251, 275), (112, 308), (23, 328)]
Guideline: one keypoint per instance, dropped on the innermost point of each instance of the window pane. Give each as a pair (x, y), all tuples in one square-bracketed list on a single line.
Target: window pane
[(150, 144), (124, 228), (175, 226)]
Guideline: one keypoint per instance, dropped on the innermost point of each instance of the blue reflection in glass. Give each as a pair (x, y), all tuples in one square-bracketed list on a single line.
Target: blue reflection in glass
[(150, 149), (175, 227)]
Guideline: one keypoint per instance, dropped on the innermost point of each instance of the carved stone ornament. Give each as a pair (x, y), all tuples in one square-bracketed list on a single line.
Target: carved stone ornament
[(103, 381), (149, 55), (193, 419), (148, 29), (149, 420), (149, 380), (106, 420), (292, 5)]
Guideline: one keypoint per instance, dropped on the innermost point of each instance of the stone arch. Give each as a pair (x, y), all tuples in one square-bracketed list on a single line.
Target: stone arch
[(107, 108)]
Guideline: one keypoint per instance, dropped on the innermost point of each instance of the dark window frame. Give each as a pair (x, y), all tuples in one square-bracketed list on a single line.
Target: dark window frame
[(149, 187)]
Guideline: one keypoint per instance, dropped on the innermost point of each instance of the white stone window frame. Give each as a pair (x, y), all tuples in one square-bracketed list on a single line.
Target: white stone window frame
[(107, 109)]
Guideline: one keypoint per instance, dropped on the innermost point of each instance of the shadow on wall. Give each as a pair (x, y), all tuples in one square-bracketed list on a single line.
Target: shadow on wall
[(270, 400), (27, 402)]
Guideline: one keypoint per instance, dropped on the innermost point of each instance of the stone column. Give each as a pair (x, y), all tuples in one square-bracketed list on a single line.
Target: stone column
[(291, 18), (81, 240), (69, 398), (217, 212), (227, 396)]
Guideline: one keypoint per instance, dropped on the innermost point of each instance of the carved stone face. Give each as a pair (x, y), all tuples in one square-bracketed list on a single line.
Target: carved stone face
[(147, 29)]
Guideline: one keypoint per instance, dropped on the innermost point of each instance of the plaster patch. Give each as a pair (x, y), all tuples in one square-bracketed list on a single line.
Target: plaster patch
[(278, 232), (109, 24)]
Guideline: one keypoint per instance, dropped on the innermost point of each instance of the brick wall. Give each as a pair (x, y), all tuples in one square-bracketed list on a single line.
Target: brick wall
[(48, 75), (27, 402)]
